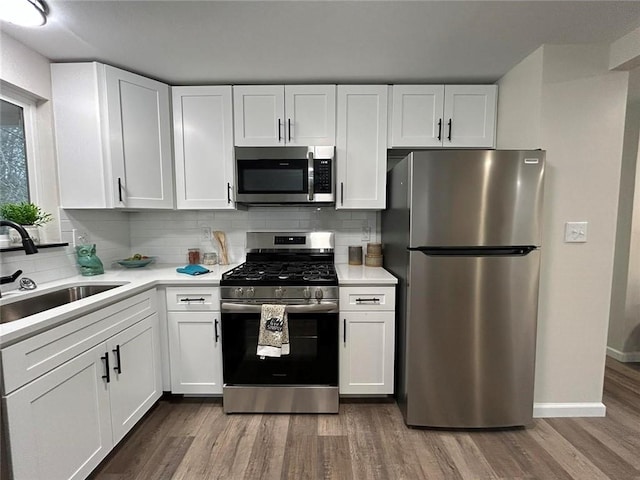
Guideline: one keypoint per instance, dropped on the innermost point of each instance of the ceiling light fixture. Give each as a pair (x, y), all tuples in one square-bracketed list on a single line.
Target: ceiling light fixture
[(28, 13)]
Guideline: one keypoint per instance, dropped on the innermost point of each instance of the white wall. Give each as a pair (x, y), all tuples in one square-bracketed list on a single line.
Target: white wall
[(580, 115), (29, 72), (624, 324), (519, 105)]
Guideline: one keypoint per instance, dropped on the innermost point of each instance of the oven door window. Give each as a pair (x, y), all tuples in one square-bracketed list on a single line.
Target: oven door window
[(313, 358), (273, 176)]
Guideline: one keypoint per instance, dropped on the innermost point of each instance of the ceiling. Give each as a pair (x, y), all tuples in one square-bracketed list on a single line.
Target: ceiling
[(218, 42)]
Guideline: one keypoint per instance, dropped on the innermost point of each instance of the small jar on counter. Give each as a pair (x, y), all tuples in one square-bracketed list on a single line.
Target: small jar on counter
[(209, 258), (193, 256)]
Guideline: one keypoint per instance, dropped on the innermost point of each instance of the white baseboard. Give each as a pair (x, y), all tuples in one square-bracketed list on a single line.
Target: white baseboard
[(625, 357), (555, 410)]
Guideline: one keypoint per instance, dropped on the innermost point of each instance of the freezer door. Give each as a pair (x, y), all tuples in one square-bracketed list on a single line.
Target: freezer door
[(470, 340), (476, 197)]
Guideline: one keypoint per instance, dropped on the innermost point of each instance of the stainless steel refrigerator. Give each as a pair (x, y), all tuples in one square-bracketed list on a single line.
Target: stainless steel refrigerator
[(462, 232)]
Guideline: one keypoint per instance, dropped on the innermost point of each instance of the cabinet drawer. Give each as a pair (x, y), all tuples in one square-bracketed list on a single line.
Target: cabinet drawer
[(192, 298), (368, 298), (31, 358)]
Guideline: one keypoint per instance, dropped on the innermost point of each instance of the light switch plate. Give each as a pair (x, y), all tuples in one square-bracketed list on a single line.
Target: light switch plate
[(575, 232)]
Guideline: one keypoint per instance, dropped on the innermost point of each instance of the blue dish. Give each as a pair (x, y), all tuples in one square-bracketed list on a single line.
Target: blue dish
[(135, 263)]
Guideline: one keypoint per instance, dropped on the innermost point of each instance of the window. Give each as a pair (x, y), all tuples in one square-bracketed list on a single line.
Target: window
[(14, 176), (17, 175)]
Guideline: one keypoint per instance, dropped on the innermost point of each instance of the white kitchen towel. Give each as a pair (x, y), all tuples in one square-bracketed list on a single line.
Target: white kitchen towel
[(273, 338)]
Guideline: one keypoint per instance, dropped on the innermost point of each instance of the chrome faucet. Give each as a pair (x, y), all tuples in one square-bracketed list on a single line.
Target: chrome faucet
[(27, 242)]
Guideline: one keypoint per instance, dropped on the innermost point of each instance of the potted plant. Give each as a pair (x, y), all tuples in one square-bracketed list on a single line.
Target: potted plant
[(27, 214)]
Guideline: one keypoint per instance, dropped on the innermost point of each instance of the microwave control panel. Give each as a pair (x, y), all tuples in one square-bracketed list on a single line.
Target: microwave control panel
[(322, 175)]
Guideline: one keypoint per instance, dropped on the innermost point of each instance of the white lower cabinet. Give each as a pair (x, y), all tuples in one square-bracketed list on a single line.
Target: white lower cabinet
[(195, 352), (367, 340), (135, 377), (64, 422), (195, 348), (60, 424)]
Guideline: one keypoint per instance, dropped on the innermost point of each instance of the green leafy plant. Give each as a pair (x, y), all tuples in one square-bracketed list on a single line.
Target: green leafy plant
[(24, 213)]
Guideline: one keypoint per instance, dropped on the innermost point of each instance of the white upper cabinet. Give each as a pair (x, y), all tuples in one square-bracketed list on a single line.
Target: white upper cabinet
[(295, 115), (444, 116), (416, 119), (203, 145), (311, 115), (113, 138), (361, 147)]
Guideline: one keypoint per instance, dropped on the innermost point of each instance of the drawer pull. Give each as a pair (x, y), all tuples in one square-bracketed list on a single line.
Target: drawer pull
[(215, 327), (367, 300), (192, 300), (118, 367), (106, 375)]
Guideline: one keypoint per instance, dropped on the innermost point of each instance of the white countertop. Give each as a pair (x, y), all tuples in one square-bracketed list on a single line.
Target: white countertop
[(136, 280), (361, 275)]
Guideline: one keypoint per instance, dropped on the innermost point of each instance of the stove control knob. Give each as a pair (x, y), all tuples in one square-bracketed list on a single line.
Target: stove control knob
[(251, 292), (239, 292), (306, 293), (319, 294), (279, 292)]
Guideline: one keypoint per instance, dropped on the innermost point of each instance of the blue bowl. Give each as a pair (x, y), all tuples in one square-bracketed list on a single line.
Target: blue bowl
[(135, 263)]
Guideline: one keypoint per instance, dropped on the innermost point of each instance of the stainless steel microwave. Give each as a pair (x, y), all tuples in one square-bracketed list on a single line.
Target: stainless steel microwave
[(285, 175)]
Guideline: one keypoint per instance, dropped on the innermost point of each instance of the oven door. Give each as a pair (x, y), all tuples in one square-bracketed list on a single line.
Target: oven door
[(305, 380)]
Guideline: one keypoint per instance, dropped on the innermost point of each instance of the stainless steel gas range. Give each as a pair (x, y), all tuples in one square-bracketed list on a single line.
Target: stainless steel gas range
[(295, 269)]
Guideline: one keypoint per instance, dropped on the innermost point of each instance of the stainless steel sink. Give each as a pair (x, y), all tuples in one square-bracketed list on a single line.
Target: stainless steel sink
[(32, 305)]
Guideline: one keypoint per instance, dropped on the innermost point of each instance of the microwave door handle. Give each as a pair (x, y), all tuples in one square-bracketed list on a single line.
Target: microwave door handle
[(310, 158)]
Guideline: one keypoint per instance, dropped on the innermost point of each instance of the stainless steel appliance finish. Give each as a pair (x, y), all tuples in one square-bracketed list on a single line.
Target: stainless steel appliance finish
[(285, 175), (283, 242), (462, 233), (295, 269), (281, 399), (46, 301)]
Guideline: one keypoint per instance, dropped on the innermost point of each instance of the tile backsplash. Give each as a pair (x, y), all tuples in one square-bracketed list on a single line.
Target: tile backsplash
[(168, 234), (108, 229)]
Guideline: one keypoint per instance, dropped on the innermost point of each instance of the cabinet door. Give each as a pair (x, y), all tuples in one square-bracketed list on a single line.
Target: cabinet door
[(259, 115), (140, 140), (77, 90), (196, 352), (310, 115), (417, 116), (361, 146), (203, 145), (136, 381), (367, 342), (470, 115), (59, 425)]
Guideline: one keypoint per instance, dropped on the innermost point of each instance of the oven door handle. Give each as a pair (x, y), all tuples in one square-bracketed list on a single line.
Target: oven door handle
[(244, 308)]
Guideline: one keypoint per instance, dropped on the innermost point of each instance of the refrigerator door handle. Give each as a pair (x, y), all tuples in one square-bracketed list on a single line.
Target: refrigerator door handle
[(511, 251)]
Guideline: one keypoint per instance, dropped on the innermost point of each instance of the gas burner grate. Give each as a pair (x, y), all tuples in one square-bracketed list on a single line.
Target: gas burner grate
[(299, 272)]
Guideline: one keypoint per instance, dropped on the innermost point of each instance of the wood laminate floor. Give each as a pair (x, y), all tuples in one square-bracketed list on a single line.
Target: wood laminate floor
[(193, 439)]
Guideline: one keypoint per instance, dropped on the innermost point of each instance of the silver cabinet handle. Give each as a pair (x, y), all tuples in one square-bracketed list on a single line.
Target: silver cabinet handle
[(311, 175)]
